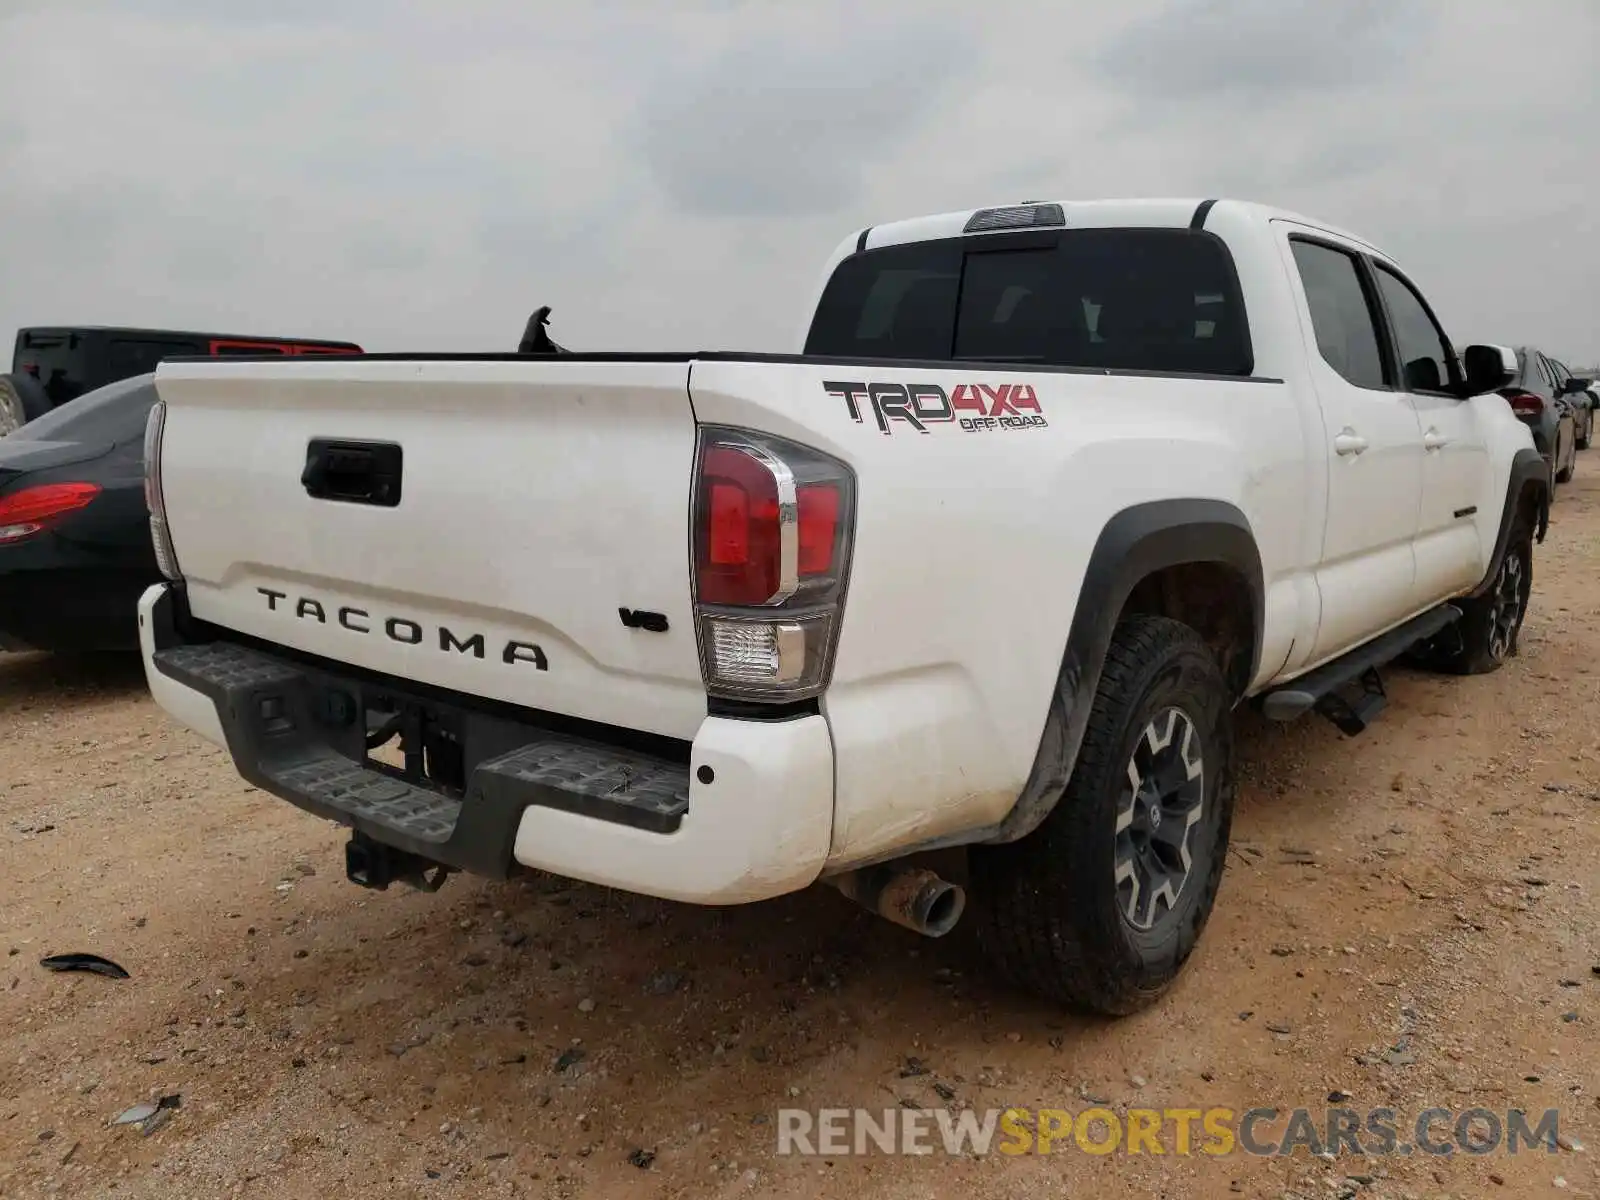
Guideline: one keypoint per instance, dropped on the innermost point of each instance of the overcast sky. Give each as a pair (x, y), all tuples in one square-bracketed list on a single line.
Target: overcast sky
[(673, 174)]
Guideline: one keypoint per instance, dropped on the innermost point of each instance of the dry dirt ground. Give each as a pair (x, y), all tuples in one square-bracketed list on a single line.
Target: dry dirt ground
[(1408, 918)]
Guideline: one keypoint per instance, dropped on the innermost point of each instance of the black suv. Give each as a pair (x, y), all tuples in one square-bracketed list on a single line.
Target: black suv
[(52, 365)]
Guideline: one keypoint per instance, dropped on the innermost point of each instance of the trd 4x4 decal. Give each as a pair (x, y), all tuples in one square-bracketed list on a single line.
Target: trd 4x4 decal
[(975, 407)]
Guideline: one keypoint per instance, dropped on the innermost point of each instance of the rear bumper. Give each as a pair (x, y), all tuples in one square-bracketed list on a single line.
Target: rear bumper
[(743, 813)]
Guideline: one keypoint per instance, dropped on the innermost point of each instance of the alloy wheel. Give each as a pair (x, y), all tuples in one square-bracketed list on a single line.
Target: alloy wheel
[(1163, 802), (1506, 610)]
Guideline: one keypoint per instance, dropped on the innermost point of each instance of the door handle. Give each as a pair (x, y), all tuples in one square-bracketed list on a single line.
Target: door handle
[(1349, 442), (1434, 440)]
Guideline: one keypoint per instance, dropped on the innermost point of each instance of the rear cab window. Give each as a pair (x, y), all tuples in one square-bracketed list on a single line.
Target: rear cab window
[(1123, 299)]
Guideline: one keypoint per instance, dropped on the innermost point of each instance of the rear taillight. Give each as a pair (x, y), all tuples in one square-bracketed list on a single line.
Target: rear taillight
[(160, 535), (1524, 404), (34, 509), (772, 530)]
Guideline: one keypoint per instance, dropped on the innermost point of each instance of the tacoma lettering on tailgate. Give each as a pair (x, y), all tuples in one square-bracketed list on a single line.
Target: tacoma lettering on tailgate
[(401, 629)]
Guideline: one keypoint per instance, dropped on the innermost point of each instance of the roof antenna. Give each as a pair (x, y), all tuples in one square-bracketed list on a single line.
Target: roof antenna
[(534, 338)]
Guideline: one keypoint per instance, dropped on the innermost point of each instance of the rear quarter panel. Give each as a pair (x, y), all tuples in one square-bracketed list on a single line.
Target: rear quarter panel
[(970, 547)]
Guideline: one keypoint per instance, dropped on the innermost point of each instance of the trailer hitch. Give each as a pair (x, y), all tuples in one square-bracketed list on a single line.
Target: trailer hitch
[(371, 864)]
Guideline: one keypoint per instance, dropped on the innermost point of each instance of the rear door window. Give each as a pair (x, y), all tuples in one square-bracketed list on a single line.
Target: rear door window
[(1342, 315), (1114, 299)]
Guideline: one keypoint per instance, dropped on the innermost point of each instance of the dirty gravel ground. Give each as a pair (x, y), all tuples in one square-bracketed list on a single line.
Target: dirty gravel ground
[(1433, 885)]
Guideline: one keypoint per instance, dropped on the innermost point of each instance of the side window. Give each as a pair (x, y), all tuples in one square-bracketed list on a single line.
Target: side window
[(1545, 374), (1425, 355), (1341, 317)]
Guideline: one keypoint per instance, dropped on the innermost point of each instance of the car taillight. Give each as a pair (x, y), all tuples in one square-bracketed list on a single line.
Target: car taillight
[(31, 510), (772, 531), (1524, 404), (160, 535)]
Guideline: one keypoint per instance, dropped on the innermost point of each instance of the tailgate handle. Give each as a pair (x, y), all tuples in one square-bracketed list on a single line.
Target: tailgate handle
[(354, 472)]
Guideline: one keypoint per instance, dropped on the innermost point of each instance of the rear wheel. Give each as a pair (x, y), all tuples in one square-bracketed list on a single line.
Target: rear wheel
[(1100, 907), (21, 400)]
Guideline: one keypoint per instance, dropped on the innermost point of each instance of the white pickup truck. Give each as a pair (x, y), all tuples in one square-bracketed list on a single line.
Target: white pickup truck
[(1048, 492)]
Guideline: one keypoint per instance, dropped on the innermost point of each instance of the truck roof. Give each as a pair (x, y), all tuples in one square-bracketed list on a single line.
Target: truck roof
[(1160, 212)]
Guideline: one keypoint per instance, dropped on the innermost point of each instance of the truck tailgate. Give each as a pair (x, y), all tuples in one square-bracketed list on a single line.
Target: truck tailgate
[(537, 500)]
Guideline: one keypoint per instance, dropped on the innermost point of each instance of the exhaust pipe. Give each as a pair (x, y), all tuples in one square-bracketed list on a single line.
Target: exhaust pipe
[(912, 897)]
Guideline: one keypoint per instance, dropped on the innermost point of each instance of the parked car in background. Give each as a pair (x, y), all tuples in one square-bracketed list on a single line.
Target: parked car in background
[(1593, 391), (1539, 401), (75, 548), (1576, 393), (53, 365)]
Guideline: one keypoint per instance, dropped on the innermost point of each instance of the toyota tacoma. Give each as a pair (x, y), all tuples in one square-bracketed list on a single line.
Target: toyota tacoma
[(1047, 493)]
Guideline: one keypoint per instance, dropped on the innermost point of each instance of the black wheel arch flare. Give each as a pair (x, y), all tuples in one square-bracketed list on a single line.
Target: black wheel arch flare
[(1135, 543), (1529, 480)]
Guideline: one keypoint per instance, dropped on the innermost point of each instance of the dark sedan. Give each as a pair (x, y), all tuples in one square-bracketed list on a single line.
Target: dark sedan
[(1539, 396), (75, 549)]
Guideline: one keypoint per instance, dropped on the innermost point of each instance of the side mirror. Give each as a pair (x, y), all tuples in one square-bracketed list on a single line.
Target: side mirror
[(1488, 368), (1574, 386)]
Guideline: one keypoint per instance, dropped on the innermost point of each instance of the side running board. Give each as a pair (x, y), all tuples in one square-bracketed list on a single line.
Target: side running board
[(1328, 689)]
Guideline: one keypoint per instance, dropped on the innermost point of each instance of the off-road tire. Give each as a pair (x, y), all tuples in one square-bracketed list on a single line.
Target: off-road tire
[(21, 400), (1050, 914), (1486, 635)]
